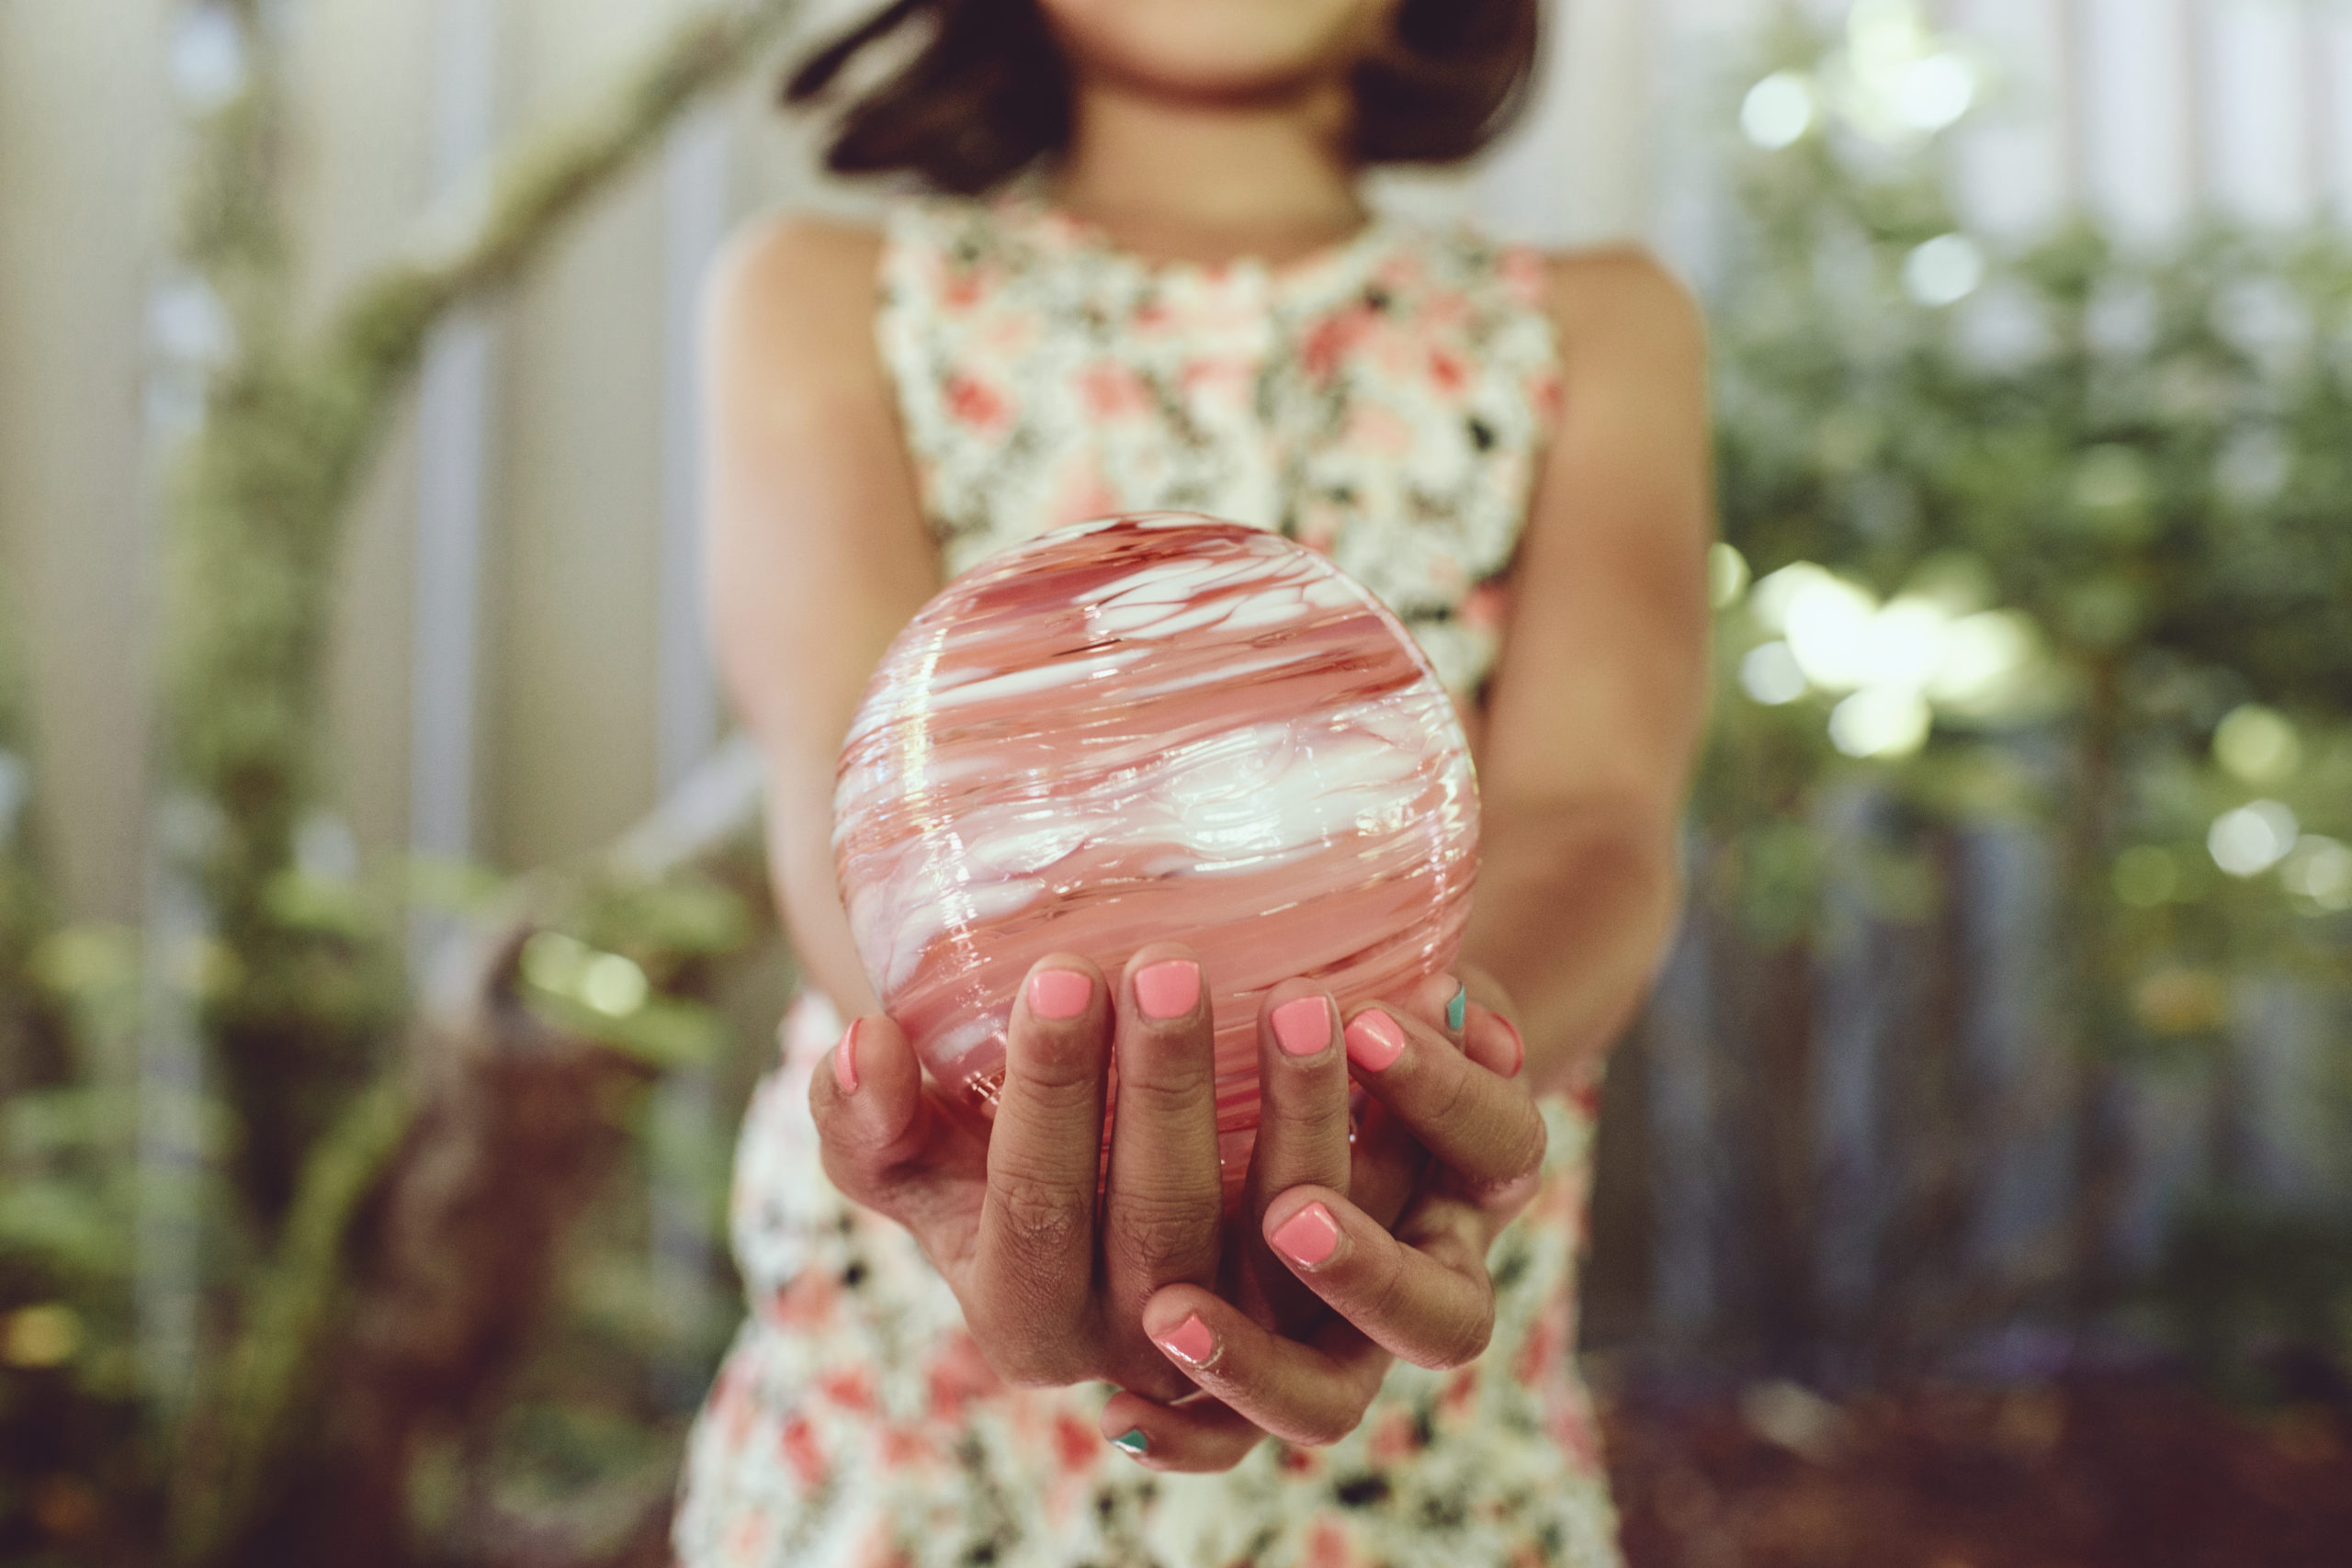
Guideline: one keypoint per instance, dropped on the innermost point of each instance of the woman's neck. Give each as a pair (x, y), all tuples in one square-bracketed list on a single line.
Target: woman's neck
[(1195, 180)]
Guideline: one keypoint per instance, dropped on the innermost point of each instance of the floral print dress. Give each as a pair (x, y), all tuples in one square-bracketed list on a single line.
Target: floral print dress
[(1384, 401)]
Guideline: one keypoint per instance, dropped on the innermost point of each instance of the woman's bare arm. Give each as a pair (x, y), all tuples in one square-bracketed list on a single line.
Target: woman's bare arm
[(818, 554), (1597, 706)]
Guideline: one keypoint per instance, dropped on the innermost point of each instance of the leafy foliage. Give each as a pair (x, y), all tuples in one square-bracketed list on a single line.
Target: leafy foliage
[(2043, 539), (281, 1182)]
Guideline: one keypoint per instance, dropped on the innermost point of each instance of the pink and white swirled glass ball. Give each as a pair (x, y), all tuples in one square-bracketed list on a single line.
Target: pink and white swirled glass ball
[(1150, 727)]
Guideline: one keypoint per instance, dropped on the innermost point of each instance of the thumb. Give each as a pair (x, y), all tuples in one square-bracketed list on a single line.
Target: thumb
[(873, 1118)]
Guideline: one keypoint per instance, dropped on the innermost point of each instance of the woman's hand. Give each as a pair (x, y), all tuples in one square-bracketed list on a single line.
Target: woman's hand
[(1053, 1281), (1059, 1288), (1402, 1267)]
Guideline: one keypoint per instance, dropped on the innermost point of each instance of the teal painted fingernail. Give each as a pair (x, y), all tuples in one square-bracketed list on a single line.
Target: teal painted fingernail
[(1134, 1444), (1458, 1011)]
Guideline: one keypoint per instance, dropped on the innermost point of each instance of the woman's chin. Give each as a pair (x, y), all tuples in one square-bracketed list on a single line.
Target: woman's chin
[(1215, 49)]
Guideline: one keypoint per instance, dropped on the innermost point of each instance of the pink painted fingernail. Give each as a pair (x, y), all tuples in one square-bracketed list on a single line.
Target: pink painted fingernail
[(1303, 1027), (1060, 993), (1191, 1342), (1375, 1042), (1309, 1236), (845, 1058), (1518, 1046), (1170, 989)]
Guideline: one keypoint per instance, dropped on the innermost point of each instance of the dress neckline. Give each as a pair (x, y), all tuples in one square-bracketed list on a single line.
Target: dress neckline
[(1025, 204)]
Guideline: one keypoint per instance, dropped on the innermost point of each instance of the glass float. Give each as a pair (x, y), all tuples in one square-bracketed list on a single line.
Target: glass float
[(1151, 728)]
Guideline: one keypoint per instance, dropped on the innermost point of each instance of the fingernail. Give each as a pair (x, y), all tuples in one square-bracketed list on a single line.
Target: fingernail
[(1375, 1042), (1518, 1046), (1309, 1236), (1134, 1445), (1170, 989), (845, 1059), (1191, 1342), (1303, 1027), (1458, 1010), (1060, 993)]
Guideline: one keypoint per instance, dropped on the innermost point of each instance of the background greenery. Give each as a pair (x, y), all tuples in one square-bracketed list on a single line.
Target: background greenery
[(2035, 554)]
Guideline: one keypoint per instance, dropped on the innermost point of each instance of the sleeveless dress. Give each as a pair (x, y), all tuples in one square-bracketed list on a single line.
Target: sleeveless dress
[(1384, 401)]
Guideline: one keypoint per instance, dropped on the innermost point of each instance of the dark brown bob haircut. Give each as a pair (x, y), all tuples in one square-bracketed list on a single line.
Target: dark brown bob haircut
[(988, 93)]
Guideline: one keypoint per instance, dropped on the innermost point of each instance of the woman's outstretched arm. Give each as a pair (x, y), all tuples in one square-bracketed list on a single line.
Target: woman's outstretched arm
[(1596, 704), (818, 554)]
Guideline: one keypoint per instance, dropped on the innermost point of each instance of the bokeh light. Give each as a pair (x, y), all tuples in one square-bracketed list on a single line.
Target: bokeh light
[(2251, 839), (208, 59), (1770, 675), (1983, 658), (2257, 744), (1778, 110), (2319, 872), (1880, 721), (1937, 92), (1915, 654), (1727, 576), (1944, 270), (613, 984)]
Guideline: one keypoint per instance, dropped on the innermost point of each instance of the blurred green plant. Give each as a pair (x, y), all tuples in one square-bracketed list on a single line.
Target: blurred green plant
[(374, 1198), (2048, 537)]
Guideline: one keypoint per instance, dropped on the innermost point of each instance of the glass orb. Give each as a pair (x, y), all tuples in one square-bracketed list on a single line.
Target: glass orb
[(1151, 728)]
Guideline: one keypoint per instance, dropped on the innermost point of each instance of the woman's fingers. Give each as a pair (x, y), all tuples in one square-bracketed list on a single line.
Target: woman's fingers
[(1163, 1202), (1441, 1001), (1491, 1039), (1489, 1034), (1031, 1291), (887, 1145), (1199, 1435), (1302, 1090), (1302, 1132), (1422, 1294), (1386, 1165), (1484, 1126), (1312, 1393)]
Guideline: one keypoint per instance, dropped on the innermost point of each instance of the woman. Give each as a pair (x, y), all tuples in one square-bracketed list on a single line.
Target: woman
[(1148, 279)]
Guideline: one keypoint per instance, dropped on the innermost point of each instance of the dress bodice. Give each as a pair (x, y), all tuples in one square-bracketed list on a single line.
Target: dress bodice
[(1385, 400)]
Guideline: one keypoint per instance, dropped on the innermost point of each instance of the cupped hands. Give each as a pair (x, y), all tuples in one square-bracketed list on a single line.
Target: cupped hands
[(1356, 1241)]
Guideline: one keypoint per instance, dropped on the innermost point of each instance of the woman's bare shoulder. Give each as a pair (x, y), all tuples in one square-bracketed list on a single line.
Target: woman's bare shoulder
[(1617, 301), (797, 293), (791, 247)]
